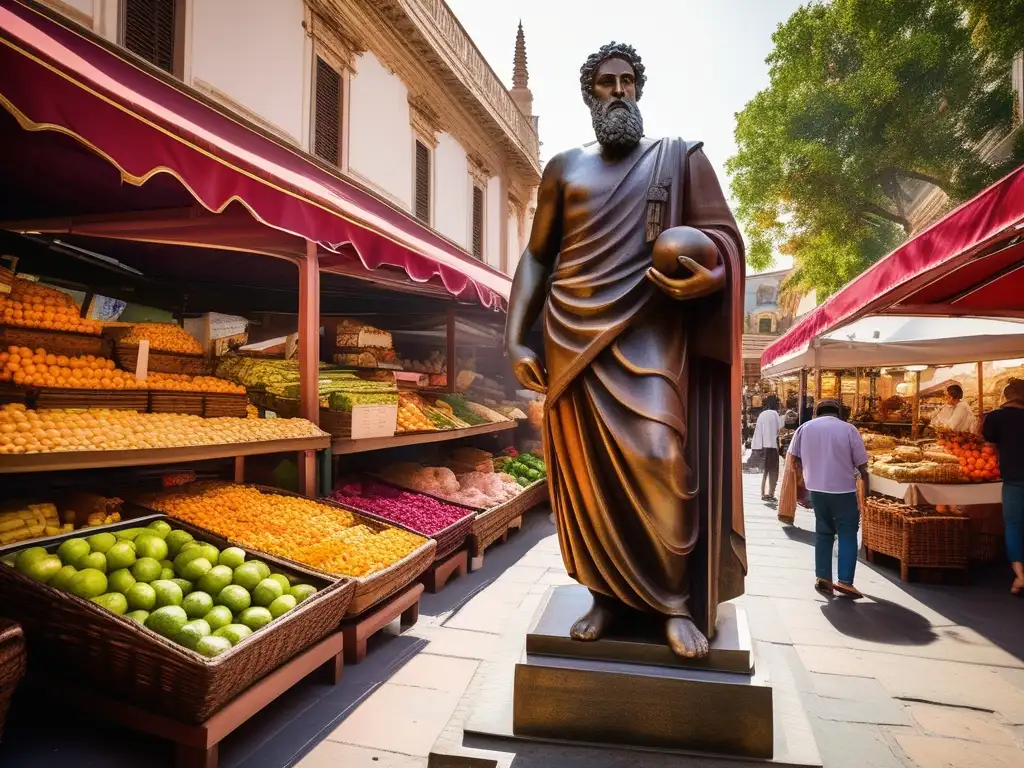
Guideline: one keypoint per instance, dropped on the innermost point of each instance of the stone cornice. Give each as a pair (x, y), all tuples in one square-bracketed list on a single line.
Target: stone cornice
[(478, 170), (425, 122), (336, 45), (406, 37)]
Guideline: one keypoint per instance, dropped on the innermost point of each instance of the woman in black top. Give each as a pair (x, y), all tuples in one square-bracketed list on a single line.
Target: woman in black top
[(1005, 428)]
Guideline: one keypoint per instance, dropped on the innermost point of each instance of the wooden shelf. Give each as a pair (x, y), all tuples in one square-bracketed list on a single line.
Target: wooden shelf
[(340, 447), (64, 460)]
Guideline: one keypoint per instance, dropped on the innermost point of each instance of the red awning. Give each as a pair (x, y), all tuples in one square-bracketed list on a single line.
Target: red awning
[(57, 79), (967, 264)]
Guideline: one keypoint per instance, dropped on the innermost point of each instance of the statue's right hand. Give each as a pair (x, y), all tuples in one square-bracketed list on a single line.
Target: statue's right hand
[(528, 369)]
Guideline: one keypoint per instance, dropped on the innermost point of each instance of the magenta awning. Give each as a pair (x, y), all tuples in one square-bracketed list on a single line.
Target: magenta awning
[(966, 264), (57, 79)]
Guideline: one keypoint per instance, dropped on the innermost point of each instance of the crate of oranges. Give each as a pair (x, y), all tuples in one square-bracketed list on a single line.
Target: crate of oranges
[(172, 349)]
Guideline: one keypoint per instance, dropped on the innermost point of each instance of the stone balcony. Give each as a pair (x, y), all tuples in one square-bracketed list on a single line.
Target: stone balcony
[(432, 29)]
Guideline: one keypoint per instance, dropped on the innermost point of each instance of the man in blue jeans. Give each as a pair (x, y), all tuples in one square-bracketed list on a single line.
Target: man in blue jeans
[(829, 453)]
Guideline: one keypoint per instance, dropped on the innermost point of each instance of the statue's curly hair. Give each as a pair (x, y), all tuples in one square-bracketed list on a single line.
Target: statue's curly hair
[(612, 50)]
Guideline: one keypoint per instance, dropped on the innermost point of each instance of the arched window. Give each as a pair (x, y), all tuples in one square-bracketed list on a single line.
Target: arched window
[(764, 324)]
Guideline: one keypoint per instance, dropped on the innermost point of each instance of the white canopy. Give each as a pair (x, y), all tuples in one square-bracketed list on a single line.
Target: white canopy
[(896, 341)]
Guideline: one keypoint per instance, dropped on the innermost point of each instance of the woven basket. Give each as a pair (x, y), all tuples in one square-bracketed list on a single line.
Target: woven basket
[(372, 589), (66, 343), (164, 362), (923, 541), (987, 541), (491, 525), (78, 638), (12, 665), (379, 586)]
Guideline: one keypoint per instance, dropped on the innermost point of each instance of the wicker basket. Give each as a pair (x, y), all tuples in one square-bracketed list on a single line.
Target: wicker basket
[(917, 541), (491, 525), (381, 585), (164, 362), (987, 532), (66, 343), (78, 638), (12, 665), (372, 589)]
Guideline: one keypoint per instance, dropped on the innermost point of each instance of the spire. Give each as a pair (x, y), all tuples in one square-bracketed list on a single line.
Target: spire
[(520, 77)]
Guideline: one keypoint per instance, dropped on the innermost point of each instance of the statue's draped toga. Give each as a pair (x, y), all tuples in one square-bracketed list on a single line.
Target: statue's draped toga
[(643, 394)]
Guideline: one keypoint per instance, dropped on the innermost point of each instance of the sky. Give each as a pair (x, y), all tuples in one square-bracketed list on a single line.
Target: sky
[(705, 60)]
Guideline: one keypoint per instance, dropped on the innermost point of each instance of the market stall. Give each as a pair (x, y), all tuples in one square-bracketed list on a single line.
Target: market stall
[(889, 344), (120, 186)]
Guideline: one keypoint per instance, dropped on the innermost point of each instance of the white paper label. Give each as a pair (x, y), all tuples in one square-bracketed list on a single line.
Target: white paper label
[(374, 421), (142, 361)]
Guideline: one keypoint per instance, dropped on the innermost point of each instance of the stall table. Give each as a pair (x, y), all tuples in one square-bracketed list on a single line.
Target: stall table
[(964, 494)]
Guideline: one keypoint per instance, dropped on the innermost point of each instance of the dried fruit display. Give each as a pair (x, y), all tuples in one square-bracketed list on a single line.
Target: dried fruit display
[(413, 510), (321, 536)]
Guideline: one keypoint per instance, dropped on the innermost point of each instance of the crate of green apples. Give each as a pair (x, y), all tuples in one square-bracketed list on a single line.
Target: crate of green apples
[(164, 615)]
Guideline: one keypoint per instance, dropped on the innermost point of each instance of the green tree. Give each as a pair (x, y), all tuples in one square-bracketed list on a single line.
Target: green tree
[(866, 98)]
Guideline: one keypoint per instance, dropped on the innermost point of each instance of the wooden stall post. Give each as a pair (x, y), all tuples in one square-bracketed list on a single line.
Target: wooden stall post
[(981, 394), (915, 407), (802, 395), (856, 395), (451, 350), (309, 358)]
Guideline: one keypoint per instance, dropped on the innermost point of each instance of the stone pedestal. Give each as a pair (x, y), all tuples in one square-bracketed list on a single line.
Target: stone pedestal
[(628, 689)]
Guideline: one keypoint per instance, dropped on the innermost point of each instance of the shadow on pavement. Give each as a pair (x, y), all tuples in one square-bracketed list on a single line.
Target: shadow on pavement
[(801, 535), (878, 621), (985, 605)]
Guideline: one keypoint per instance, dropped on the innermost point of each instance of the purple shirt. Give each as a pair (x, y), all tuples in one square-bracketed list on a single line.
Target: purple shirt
[(830, 451)]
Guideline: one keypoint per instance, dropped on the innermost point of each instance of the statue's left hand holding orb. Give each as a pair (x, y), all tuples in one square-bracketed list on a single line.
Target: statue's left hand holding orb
[(682, 250)]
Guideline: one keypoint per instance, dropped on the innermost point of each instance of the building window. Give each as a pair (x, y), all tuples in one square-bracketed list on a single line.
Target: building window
[(422, 182), (478, 222), (327, 108), (764, 324), (154, 31), (765, 294)]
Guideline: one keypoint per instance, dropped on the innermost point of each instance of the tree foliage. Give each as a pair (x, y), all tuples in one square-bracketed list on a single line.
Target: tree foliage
[(868, 99)]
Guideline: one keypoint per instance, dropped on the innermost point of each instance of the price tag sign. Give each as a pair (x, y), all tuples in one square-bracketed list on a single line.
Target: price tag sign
[(142, 361), (374, 421)]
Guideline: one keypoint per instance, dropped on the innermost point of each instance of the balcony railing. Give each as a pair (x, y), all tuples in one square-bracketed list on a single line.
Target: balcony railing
[(443, 26)]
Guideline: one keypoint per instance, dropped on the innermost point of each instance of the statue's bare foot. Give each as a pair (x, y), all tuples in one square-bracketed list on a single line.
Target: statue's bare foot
[(594, 623), (685, 639)]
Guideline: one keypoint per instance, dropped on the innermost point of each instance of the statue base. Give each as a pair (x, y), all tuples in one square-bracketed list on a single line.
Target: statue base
[(630, 690)]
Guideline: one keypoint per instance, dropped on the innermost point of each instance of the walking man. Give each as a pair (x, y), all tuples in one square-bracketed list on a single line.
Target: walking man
[(766, 440), (829, 453)]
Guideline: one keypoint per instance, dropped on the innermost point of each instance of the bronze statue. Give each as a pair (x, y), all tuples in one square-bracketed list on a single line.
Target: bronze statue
[(637, 264)]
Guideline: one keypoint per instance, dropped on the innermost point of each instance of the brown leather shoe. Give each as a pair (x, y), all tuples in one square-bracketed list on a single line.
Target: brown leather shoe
[(824, 586), (847, 590)]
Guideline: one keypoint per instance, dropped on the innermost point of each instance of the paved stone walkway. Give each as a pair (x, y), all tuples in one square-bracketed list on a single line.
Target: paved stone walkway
[(925, 676), (915, 676)]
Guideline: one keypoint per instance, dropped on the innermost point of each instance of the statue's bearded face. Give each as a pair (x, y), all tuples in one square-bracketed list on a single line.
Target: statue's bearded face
[(618, 123)]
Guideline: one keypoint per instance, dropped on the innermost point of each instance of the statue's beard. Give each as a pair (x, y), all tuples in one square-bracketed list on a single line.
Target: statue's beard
[(619, 128)]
